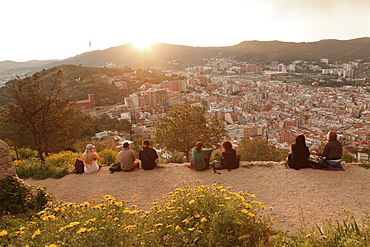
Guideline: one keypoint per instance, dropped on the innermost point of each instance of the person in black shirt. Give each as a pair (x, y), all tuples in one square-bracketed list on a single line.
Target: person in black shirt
[(148, 156), (298, 158), (332, 151), (229, 158)]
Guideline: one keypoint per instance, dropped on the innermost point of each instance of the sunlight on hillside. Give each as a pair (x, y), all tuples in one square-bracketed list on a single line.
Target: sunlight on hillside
[(142, 44)]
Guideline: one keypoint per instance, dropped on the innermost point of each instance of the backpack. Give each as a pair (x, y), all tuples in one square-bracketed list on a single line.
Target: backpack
[(115, 168), (79, 166)]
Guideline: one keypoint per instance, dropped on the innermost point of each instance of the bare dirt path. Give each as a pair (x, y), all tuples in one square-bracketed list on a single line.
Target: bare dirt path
[(306, 194)]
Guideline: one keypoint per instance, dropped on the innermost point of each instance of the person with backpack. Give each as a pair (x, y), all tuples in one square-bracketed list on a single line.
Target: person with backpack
[(200, 157), (148, 156), (127, 158), (90, 159)]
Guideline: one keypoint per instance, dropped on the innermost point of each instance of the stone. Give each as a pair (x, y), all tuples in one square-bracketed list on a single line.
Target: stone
[(6, 162)]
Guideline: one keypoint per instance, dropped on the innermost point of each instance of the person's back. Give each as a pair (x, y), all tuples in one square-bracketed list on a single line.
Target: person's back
[(230, 157), (300, 154), (148, 156), (127, 158), (199, 155), (90, 159), (333, 150)]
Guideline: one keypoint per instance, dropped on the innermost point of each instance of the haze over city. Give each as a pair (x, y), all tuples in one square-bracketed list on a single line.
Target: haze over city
[(42, 30)]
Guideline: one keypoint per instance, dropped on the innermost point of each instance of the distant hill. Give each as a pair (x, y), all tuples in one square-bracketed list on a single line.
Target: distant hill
[(167, 55), (79, 81)]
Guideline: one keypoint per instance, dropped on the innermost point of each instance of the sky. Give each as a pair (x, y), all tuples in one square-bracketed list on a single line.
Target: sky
[(55, 29)]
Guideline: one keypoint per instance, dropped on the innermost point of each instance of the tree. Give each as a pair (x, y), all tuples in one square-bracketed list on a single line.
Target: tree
[(41, 114), (105, 122), (260, 149), (348, 158), (184, 126)]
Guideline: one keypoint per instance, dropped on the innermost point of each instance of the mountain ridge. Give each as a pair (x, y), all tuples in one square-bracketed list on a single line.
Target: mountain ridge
[(181, 56)]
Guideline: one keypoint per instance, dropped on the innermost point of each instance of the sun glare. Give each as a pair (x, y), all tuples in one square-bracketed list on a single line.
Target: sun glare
[(142, 44)]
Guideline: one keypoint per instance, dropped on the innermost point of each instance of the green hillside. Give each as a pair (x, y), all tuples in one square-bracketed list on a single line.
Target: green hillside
[(79, 81)]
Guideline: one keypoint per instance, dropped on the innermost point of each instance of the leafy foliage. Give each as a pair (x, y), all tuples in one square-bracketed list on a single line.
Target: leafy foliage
[(108, 157), (19, 197), (203, 215), (184, 126), (56, 166), (41, 117), (348, 158), (105, 122), (260, 149)]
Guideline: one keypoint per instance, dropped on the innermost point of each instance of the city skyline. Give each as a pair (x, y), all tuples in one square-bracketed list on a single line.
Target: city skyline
[(42, 30)]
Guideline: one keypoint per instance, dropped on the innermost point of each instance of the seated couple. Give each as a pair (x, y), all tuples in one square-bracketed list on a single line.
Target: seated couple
[(228, 160), (331, 156), (148, 157)]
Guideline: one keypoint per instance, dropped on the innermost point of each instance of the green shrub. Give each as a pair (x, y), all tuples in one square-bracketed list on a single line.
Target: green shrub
[(36, 170), (176, 157), (348, 158), (364, 165), (23, 154), (27, 153), (19, 197), (215, 156), (108, 157), (63, 159), (190, 216)]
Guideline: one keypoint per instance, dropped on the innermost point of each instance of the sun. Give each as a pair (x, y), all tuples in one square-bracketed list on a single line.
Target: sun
[(142, 44)]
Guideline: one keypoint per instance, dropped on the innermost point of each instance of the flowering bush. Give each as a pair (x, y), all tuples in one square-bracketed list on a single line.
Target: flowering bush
[(108, 157), (56, 166), (200, 216)]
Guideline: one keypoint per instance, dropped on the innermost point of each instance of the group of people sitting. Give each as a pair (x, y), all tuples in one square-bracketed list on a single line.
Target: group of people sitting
[(201, 157), (297, 159), (148, 157), (330, 156)]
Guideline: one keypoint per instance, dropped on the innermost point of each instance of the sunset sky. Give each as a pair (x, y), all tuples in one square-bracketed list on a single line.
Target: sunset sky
[(54, 29)]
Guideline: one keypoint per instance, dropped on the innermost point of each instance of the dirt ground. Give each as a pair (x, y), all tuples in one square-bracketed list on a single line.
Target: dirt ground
[(306, 195)]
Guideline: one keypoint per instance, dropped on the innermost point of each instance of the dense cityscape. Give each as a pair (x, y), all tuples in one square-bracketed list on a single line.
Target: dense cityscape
[(256, 101)]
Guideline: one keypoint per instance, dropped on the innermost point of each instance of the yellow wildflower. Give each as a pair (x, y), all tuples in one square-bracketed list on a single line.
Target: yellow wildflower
[(177, 228), (91, 220), (191, 229), (203, 219), (58, 209), (244, 211), (48, 217), (251, 215), (197, 216), (22, 228), (191, 202), (129, 227), (3, 233), (186, 221), (36, 233), (109, 217), (41, 212), (273, 220), (82, 230)]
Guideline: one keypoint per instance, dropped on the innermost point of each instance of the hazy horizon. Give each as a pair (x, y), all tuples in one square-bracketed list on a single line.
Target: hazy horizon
[(44, 30)]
